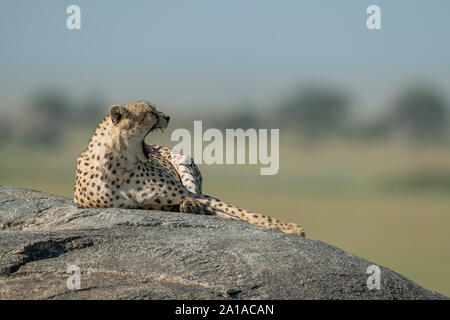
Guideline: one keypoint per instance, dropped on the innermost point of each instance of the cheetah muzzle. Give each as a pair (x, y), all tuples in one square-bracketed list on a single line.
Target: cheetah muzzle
[(118, 169)]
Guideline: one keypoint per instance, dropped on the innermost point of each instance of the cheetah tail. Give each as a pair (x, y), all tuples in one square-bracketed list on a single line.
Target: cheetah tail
[(205, 204)]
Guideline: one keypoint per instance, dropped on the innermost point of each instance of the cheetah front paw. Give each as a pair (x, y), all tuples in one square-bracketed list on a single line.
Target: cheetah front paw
[(191, 206)]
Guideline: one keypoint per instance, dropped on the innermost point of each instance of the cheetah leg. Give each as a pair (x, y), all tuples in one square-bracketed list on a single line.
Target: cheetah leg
[(186, 170), (214, 206), (189, 205), (190, 176)]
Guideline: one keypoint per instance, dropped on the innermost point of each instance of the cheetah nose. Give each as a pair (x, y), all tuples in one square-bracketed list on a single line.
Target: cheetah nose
[(167, 118)]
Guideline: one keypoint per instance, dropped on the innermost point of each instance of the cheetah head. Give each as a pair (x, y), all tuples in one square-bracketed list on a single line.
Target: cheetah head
[(133, 122)]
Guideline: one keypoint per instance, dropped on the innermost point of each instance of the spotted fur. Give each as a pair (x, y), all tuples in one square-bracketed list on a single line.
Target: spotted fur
[(117, 170)]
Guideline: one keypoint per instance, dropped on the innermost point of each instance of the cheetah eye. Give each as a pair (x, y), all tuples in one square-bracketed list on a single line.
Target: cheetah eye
[(153, 113)]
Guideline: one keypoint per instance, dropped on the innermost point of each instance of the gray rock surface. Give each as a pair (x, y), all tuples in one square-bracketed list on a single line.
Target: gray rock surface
[(139, 254)]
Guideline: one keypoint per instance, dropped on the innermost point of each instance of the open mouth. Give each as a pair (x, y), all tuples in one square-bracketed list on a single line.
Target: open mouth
[(148, 149)]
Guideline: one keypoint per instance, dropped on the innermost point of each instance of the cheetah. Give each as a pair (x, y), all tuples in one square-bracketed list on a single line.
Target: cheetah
[(119, 169)]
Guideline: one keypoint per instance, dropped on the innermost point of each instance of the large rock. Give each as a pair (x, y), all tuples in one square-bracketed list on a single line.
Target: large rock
[(138, 254)]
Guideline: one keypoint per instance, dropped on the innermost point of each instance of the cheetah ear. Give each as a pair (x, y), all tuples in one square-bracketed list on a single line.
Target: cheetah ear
[(116, 113)]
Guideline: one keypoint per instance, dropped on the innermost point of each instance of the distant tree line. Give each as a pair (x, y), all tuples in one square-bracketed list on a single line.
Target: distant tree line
[(418, 113), (47, 116)]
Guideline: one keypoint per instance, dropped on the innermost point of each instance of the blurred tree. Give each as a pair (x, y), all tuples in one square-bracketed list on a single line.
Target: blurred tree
[(244, 120), (5, 128), (317, 110), (420, 113), (52, 104), (243, 116), (46, 119), (92, 111)]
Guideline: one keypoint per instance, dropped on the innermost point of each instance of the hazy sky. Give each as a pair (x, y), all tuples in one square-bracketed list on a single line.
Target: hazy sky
[(221, 53)]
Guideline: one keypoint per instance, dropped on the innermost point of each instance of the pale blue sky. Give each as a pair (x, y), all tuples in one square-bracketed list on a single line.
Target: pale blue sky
[(214, 53)]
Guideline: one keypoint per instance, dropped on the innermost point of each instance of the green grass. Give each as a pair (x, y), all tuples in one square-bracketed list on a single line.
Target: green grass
[(386, 202)]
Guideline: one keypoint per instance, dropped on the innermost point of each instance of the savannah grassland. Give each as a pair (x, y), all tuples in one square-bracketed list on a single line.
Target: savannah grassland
[(386, 201)]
